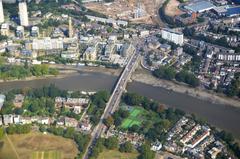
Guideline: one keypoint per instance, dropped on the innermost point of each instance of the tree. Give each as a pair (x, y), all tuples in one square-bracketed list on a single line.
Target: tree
[(108, 121), (233, 88), (7, 107), (18, 111), (132, 99), (164, 72), (126, 147), (187, 77), (111, 143), (146, 152), (98, 148), (69, 133)]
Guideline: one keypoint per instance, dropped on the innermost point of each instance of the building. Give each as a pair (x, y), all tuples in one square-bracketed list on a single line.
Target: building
[(144, 33), (5, 29), (43, 120), (233, 11), (70, 102), (18, 100), (23, 14), (90, 54), (228, 57), (2, 99), (88, 1), (7, 119), (127, 49), (1, 12), (25, 120), (172, 36), (47, 44), (20, 31), (35, 31), (70, 122), (70, 28), (16, 119), (200, 6), (71, 50), (156, 146), (108, 21), (85, 125)]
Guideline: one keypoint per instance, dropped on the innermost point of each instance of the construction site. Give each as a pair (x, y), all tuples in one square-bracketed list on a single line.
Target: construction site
[(136, 11)]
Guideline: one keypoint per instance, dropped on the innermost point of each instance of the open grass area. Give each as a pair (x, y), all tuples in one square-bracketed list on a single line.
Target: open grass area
[(47, 155), (114, 154), (134, 118), (37, 146)]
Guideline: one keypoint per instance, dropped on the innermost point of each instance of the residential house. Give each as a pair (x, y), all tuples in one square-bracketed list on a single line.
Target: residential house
[(71, 122), (18, 100), (7, 119)]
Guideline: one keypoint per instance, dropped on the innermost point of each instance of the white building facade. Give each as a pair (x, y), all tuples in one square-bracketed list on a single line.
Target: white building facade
[(1, 12), (172, 36), (23, 14)]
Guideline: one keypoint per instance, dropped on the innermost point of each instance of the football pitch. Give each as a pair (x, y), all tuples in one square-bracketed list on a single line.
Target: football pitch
[(133, 118)]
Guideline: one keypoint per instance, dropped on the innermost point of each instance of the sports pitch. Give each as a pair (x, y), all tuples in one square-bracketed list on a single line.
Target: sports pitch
[(133, 119), (47, 155), (36, 145)]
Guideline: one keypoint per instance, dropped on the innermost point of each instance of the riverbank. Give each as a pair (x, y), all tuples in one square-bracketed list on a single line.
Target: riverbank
[(145, 77), (65, 71)]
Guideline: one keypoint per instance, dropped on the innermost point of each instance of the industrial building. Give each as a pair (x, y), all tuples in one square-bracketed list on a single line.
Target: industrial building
[(199, 6)]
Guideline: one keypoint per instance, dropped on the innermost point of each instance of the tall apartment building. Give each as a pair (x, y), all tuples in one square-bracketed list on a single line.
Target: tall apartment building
[(23, 13), (172, 36), (70, 28), (1, 12)]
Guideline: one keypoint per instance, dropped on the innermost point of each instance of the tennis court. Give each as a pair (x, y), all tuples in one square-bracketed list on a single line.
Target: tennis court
[(133, 119)]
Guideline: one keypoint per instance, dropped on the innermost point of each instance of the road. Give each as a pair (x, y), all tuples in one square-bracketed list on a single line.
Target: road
[(114, 100)]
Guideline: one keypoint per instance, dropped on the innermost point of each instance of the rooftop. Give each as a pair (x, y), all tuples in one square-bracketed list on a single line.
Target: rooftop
[(233, 11), (200, 6)]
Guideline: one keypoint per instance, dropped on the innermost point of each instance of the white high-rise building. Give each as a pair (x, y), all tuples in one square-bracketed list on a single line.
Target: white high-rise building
[(1, 12), (172, 36), (23, 13)]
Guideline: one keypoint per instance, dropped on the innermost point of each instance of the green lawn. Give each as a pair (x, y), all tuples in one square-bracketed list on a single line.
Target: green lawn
[(114, 154), (135, 118)]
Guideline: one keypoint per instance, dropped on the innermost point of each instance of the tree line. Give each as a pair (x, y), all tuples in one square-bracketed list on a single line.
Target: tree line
[(80, 139), (19, 72), (169, 73), (97, 106), (112, 143)]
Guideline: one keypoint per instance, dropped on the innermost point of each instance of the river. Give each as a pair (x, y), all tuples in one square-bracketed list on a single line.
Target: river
[(223, 116)]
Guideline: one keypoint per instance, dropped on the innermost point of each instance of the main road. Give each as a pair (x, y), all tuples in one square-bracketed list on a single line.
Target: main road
[(114, 100)]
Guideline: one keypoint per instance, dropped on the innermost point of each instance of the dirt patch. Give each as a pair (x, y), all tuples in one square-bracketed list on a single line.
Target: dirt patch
[(125, 9), (172, 8)]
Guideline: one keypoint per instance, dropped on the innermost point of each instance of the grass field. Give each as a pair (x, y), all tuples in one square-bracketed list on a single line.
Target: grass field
[(133, 119), (114, 154), (47, 155), (37, 146)]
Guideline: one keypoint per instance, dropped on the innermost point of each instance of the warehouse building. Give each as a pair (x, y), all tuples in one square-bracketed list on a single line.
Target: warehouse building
[(199, 6)]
